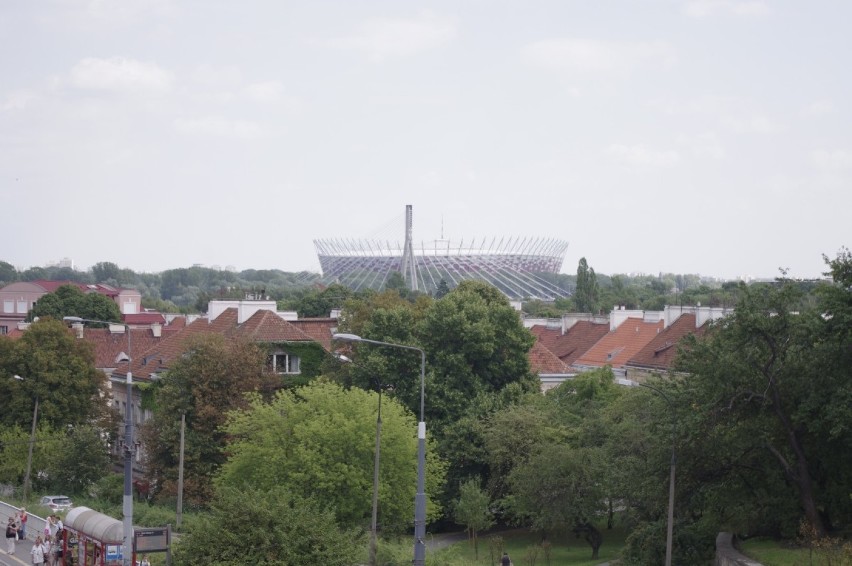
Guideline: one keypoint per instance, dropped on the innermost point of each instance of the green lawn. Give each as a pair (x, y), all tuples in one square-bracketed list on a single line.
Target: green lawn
[(782, 553), (522, 545)]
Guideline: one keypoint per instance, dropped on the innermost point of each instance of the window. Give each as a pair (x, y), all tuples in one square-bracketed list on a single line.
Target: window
[(283, 363), (4, 330), (22, 306), (8, 306)]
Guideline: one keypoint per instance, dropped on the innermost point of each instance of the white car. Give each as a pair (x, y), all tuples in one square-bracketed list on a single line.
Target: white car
[(56, 502)]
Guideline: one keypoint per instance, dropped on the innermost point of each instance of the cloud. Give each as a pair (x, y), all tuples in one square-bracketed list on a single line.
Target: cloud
[(643, 155), (705, 8), (703, 146), (18, 100), (268, 91), (120, 75), (753, 125), (832, 160), (220, 127), (592, 55), (383, 39), (819, 108)]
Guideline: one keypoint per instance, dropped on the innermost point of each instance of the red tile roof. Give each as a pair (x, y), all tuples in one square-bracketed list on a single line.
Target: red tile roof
[(574, 343), (621, 344), (543, 362), (319, 329), (661, 351), (108, 345), (52, 286), (267, 326), (144, 318)]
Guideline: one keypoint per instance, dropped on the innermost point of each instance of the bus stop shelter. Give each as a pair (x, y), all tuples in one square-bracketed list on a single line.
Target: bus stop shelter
[(91, 539)]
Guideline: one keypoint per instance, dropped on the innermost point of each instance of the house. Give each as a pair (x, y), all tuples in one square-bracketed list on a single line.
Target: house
[(551, 370), (17, 299), (629, 332)]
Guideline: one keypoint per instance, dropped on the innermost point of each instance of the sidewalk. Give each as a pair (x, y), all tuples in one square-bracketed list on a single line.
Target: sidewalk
[(22, 553)]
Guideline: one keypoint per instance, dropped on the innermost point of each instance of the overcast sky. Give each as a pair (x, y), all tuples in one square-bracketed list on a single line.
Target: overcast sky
[(686, 136)]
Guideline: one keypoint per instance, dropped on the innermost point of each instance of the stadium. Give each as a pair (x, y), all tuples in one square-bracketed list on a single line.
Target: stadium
[(519, 267)]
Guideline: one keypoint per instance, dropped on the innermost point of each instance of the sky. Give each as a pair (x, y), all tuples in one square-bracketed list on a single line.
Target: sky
[(683, 136)]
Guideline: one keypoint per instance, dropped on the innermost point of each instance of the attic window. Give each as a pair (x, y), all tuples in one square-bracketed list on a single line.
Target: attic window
[(612, 354), (664, 347)]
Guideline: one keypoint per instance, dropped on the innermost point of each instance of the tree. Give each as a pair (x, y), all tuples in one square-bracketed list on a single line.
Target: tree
[(69, 300), (211, 379), (80, 460), (587, 295), (319, 441), (272, 525), (59, 370), (764, 377), (442, 290), (473, 510), (104, 271), (8, 273)]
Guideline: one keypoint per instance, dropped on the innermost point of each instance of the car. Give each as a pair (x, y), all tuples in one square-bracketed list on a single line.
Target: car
[(56, 502)]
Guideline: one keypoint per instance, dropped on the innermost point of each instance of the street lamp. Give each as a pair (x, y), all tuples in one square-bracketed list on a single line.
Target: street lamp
[(670, 525), (32, 442), (127, 507), (420, 496)]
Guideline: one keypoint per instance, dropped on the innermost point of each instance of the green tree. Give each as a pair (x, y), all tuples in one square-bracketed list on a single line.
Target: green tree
[(69, 300), (473, 510), (270, 525), (319, 441), (80, 460), (587, 295), (104, 271), (210, 380), (765, 379), (59, 370), (442, 290), (8, 273)]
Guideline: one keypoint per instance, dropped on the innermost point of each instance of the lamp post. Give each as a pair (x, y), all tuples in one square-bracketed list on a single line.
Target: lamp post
[(670, 525), (127, 506), (32, 442), (420, 496)]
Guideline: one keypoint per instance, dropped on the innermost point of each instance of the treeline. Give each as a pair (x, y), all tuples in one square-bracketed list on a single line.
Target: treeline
[(189, 289)]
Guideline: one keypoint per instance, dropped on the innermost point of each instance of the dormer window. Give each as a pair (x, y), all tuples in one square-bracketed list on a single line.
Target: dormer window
[(282, 363)]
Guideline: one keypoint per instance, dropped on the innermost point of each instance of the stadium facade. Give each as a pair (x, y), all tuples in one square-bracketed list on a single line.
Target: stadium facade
[(519, 267)]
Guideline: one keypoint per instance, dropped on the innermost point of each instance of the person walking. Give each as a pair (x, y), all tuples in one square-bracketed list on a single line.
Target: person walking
[(37, 551), (11, 535), (505, 561)]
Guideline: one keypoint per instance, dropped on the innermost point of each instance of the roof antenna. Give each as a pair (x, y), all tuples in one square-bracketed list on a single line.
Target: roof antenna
[(442, 226)]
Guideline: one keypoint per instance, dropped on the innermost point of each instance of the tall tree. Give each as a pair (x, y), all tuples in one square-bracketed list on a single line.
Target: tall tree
[(759, 372), (210, 380), (69, 300), (587, 295), (473, 510), (59, 370)]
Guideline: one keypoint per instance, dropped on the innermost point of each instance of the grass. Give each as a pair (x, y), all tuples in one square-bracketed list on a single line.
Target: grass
[(524, 549), (771, 552)]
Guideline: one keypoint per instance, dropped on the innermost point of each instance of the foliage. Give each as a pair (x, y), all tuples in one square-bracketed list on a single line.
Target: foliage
[(8, 273), (586, 297), (14, 444), (69, 300), (473, 510), (211, 379), (57, 369), (278, 527), (81, 459), (319, 440)]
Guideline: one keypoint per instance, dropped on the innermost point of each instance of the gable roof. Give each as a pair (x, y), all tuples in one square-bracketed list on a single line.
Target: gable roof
[(108, 345), (544, 362), (267, 326), (576, 341), (318, 329), (661, 351), (144, 318), (621, 344)]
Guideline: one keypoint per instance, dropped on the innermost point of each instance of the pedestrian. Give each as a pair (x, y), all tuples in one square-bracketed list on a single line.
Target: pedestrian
[(53, 525), (18, 525), (37, 551), (11, 535), (505, 561), (47, 550), (145, 561), (24, 517)]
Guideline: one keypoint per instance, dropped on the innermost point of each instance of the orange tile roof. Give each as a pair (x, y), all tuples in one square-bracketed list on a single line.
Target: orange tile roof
[(621, 344), (661, 351), (108, 345), (542, 361), (574, 343)]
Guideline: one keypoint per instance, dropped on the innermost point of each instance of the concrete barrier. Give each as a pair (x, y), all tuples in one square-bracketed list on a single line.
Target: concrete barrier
[(35, 524), (727, 555)]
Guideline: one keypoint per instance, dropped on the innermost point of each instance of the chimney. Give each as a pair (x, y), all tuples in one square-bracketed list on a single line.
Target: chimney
[(78, 329), (157, 330)]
